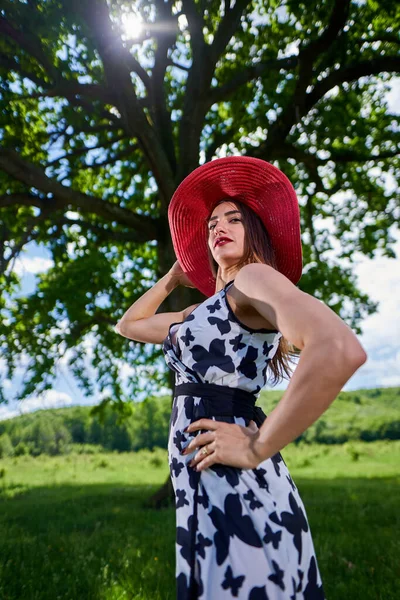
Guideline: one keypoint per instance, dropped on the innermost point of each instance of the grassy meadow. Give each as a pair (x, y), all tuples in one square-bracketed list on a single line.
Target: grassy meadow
[(77, 527)]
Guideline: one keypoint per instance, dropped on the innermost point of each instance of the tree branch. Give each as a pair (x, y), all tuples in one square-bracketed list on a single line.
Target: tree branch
[(344, 156), (228, 25), (34, 176), (10, 64), (310, 223), (64, 87), (102, 234), (28, 199), (390, 38), (336, 23), (196, 25), (69, 89), (171, 63), (31, 44), (219, 137), (85, 150), (120, 92), (193, 109), (197, 96), (28, 235), (116, 62), (111, 161), (295, 106), (85, 128), (389, 64), (162, 115), (312, 162), (80, 327), (254, 71)]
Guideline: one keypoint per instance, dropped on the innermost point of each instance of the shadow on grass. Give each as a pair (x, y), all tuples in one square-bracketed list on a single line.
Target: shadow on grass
[(355, 526), (98, 542), (86, 542)]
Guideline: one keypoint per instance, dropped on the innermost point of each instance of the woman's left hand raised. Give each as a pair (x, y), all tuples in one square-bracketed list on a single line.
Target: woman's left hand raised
[(226, 443)]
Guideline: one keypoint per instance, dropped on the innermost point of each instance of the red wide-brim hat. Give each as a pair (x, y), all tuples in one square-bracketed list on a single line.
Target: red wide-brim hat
[(257, 183)]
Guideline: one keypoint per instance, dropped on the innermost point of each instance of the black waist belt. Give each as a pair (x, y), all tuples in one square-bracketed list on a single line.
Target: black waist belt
[(222, 401)]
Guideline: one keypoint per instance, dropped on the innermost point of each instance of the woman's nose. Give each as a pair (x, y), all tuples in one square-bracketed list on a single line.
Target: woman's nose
[(219, 227)]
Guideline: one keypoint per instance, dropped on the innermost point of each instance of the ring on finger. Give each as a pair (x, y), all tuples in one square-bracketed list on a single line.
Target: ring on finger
[(204, 451)]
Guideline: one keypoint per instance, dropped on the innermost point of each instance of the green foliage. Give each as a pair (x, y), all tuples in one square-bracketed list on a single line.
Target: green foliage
[(94, 142), (21, 449), (6, 447), (361, 415), (75, 429)]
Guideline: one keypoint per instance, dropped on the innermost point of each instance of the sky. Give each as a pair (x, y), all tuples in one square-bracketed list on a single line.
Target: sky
[(378, 277)]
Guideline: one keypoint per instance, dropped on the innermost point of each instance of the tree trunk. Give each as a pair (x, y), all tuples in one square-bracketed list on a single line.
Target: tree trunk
[(179, 299), (164, 496)]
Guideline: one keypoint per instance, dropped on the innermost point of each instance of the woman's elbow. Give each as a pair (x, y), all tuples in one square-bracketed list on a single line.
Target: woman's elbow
[(345, 353), (353, 355), (357, 356), (117, 328)]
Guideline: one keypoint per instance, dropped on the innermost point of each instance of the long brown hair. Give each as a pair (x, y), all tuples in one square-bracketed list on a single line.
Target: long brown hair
[(258, 249)]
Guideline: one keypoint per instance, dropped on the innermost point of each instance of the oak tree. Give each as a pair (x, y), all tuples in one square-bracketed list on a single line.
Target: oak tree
[(99, 124)]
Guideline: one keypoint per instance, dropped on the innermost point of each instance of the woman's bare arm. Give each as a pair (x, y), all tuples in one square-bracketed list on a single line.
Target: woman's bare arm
[(140, 323), (331, 353)]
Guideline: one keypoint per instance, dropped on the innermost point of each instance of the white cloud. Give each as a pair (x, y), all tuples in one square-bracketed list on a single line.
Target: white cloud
[(49, 399), (7, 413), (380, 279), (32, 264)]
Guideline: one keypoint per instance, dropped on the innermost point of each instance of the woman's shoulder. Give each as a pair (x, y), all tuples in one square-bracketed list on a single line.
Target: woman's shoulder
[(260, 278), (255, 270)]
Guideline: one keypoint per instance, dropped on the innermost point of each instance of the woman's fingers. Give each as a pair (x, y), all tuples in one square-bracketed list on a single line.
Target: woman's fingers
[(202, 457), (224, 443), (202, 424), (212, 425), (199, 440)]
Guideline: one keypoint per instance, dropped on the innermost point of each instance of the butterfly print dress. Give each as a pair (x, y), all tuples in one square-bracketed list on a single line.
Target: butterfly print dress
[(241, 533)]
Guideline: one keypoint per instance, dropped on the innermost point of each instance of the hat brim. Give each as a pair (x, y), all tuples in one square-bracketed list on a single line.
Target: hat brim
[(257, 183)]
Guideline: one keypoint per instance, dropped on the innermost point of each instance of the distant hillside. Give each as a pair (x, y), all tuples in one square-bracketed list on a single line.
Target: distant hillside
[(359, 415)]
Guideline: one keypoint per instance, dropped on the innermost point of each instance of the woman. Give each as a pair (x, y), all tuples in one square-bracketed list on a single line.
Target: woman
[(242, 530)]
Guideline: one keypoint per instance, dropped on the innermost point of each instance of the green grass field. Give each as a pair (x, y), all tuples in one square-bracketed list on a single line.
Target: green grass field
[(76, 527)]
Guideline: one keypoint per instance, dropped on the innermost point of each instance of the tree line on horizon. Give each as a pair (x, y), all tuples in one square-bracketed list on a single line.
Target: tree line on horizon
[(367, 415)]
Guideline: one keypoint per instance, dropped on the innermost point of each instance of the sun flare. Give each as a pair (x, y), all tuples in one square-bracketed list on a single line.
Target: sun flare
[(132, 25)]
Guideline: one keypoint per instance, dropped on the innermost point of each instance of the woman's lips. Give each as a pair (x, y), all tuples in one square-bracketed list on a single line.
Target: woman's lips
[(222, 243)]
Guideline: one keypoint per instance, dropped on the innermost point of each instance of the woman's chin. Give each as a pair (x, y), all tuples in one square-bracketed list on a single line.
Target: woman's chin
[(228, 260), (227, 252)]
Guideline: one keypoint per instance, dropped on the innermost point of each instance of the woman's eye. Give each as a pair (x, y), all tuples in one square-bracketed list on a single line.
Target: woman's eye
[(211, 227)]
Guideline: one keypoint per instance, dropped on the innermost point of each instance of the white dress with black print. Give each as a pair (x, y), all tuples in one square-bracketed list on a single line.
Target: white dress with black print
[(241, 533)]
